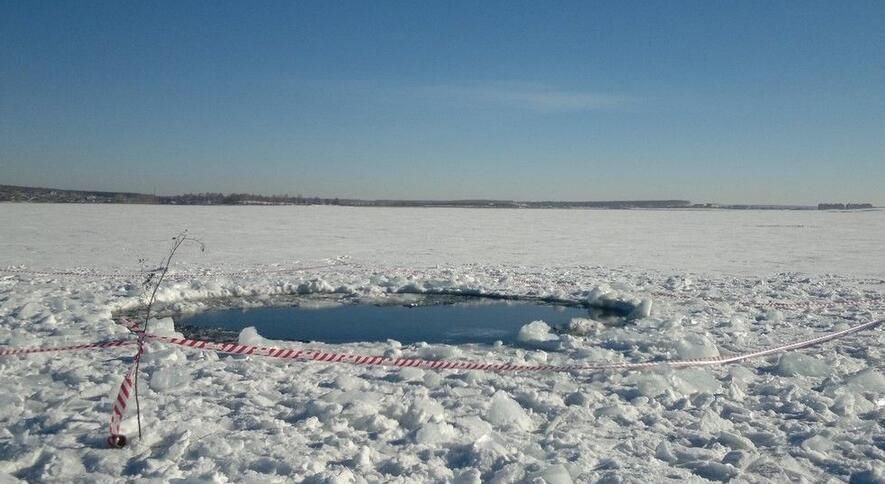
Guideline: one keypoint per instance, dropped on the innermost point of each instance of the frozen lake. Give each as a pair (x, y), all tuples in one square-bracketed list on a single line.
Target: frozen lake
[(716, 283), (705, 241)]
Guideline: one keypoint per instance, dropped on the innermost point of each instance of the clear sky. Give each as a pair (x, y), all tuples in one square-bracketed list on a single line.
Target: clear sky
[(711, 101)]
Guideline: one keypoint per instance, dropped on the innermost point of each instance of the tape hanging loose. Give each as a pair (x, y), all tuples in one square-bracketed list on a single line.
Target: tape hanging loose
[(174, 276), (355, 359), (127, 386), (119, 343)]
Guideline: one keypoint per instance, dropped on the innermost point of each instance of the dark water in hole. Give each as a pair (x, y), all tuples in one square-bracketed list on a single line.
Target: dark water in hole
[(477, 322)]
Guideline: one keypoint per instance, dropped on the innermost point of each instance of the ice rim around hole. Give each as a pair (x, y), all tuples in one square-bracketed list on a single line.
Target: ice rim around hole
[(581, 317)]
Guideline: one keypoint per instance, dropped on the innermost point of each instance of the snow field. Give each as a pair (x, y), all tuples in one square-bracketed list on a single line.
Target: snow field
[(813, 416)]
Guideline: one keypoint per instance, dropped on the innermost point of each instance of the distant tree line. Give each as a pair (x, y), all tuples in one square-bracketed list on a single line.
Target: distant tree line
[(243, 199), (11, 193)]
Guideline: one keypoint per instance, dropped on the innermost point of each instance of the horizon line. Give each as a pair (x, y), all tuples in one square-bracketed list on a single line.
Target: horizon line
[(683, 202)]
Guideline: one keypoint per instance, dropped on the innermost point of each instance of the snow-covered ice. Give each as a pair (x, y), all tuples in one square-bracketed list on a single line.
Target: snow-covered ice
[(536, 333), (701, 283)]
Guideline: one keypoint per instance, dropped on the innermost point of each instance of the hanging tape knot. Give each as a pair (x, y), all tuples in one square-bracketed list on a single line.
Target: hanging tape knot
[(116, 440)]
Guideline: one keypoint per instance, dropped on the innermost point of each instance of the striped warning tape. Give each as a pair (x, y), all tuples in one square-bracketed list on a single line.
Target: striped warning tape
[(127, 389), (127, 386), (798, 305), (172, 276), (7, 351), (331, 357)]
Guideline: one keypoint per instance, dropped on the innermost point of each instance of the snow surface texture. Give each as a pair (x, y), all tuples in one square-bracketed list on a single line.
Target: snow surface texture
[(720, 282)]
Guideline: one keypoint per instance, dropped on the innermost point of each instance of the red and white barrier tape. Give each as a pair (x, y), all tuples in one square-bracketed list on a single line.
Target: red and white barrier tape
[(173, 275), (127, 386), (355, 359), (331, 357), (7, 351), (116, 439), (798, 305), (121, 402), (127, 389)]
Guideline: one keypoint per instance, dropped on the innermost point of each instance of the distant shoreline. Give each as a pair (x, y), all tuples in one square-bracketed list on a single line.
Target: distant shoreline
[(21, 194)]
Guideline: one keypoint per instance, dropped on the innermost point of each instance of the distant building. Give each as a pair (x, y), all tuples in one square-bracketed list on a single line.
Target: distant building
[(843, 206)]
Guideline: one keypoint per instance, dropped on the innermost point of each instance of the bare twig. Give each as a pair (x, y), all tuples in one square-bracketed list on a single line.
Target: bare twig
[(150, 278)]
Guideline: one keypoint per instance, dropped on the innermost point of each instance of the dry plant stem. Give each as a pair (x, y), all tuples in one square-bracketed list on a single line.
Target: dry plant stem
[(179, 239)]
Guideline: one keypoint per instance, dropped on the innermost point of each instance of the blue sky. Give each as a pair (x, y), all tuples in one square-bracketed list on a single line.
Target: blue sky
[(762, 102)]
